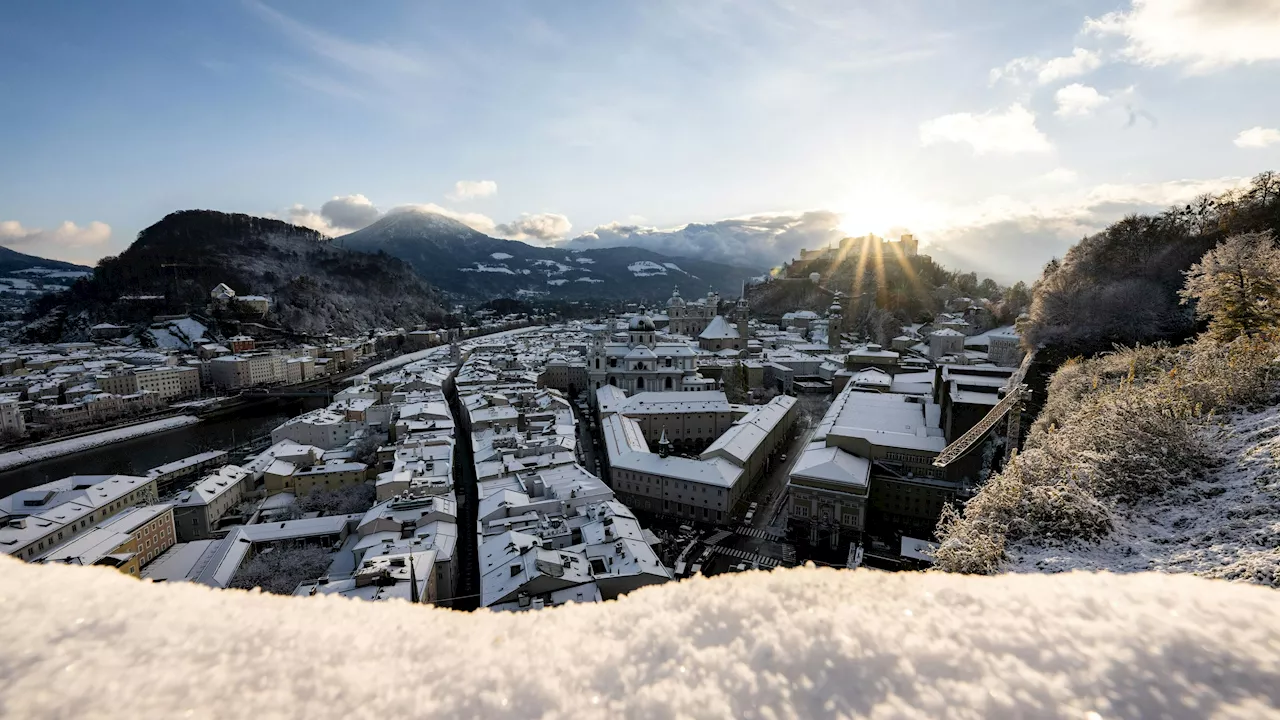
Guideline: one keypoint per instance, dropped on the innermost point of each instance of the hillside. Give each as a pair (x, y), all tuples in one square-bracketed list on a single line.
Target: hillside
[(12, 261), (881, 294), (314, 286), (1121, 285), (1153, 458), (460, 260)]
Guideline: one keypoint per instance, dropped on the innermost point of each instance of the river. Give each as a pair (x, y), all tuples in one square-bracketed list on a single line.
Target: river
[(136, 456)]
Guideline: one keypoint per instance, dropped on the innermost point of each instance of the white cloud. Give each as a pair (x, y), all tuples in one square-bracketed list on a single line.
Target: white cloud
[(339, 216), (760, 241), (351, 211), (1205, 35), (546, 227), (475, 221), (1012, 239), (346, 214), (1011, 131), (1257, 137), (1043, 72), (1077, 99), (60, 243), (1060, 175), (471, 189)]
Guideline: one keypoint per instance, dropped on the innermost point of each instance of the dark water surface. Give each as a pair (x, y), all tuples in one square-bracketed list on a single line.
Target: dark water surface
[(136, 456)]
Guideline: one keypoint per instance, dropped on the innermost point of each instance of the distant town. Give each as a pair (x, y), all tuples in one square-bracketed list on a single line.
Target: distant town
[(519, 461)]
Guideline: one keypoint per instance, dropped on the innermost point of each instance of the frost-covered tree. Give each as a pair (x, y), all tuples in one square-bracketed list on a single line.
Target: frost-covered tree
[(279, 570), (1236, 286)]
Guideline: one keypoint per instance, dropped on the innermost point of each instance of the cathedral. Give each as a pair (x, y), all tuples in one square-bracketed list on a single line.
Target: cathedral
[(690, 318), (641, 364)]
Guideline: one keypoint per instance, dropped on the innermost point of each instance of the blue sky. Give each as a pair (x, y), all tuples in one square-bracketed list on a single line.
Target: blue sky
[(998, 132)]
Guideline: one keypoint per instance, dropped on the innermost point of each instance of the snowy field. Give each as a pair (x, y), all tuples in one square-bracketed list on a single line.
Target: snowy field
[(59, 448), (798, 643), (1225, 525)]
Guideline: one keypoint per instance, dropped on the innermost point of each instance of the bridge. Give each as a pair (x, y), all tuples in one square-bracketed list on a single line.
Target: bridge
[(1010, 405)]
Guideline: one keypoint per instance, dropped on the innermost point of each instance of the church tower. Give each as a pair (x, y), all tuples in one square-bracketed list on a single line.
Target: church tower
[(742, 312), (833, 325)]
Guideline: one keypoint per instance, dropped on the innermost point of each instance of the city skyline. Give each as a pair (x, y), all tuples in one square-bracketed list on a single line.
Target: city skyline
[(998, 134)]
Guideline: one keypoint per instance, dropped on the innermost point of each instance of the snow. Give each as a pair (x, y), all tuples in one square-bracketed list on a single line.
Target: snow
[(501, 256), (193, 330), (20, 284), (673, 266), (589, 280), (1224, 525), (166, 340), (481, 267), (558, 282), (59, 448), (585, 260), (646, 268), (785, 644), (553, 267)]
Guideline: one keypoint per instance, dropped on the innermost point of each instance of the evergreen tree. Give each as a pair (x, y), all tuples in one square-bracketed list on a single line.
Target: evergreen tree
[(1236, 286)]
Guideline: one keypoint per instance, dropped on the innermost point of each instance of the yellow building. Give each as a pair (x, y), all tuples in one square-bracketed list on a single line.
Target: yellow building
[(284, 476), (126, 541)]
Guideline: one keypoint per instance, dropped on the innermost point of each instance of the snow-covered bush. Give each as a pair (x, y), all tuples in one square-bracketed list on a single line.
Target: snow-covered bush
[(1117, 432)]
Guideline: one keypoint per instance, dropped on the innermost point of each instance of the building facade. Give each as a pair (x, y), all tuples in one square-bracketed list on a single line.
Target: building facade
[(691, 317), (642, 364)]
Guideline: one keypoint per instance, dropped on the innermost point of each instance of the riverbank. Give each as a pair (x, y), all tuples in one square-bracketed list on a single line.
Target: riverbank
[(58, 448)]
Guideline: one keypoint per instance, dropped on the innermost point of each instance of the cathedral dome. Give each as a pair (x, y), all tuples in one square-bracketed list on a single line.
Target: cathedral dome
[(676, 300), (642, 323)]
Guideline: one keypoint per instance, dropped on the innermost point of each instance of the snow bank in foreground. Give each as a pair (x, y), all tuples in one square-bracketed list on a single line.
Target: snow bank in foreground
[(1225, 524), (797, 643), (16, 458)]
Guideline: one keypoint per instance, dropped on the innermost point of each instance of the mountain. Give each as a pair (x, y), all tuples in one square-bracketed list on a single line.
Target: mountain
[(464, 261), (314, 286), (13, 261)]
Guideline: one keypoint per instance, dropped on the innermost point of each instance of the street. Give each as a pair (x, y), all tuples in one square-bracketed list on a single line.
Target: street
[(776, 483)]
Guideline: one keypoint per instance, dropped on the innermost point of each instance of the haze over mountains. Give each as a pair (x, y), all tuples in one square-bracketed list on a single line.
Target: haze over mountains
[(459, 259)]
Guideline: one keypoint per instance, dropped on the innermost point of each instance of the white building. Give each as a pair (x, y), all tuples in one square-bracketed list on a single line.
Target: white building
[(248, 370), (12, 424), (324, 428), (169, 383), (642, 364)]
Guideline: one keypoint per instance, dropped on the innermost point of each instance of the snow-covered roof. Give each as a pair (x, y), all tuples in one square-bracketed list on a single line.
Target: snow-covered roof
[(831, 465), (719, 329)]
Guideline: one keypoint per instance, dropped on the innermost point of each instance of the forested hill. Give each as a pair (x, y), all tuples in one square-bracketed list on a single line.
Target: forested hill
[(315, 287), (1120, 286), (883, 293)]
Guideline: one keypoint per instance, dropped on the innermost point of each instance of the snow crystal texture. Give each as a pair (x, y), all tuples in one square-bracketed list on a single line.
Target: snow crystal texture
[(788, 644)]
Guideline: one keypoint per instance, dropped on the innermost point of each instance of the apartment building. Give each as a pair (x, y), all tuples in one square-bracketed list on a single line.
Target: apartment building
[(126, 541), (169, 383), (198, 510), (41, 518)]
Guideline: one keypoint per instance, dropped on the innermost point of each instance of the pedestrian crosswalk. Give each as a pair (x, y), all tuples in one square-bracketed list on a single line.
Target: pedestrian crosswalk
[(714, 539), (762, 561), (762, 533)]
